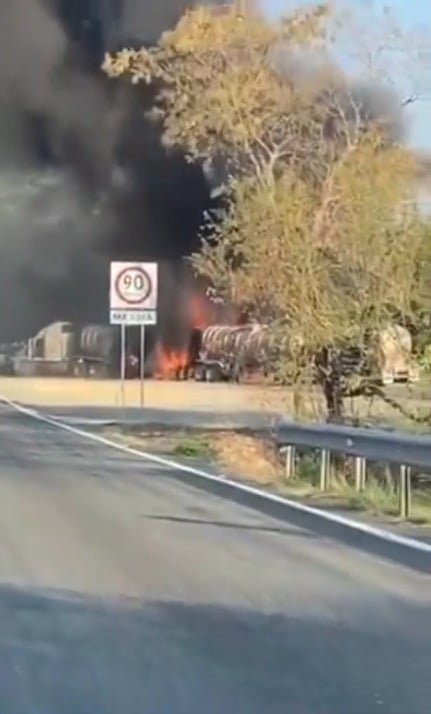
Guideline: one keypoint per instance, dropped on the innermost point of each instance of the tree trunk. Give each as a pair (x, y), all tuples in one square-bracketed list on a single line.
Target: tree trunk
[(331, 381), (334, 400)]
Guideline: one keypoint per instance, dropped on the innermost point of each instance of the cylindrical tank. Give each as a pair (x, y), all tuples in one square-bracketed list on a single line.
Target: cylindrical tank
[(247, 342), (393, 353), (252, 345), (98, 342)]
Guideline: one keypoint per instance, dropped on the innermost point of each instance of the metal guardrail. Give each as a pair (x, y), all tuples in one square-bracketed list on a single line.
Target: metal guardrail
[(396, 448)]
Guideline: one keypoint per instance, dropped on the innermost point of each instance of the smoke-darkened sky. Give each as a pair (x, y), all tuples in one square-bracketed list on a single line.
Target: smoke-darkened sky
[(78, 168), (82, 178)]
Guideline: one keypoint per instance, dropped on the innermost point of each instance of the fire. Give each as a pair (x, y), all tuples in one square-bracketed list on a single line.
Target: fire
[(170, 362), (199, 311)]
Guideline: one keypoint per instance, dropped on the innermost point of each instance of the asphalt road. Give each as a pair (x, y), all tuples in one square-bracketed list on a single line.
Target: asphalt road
[(174, 418), (124, 589)]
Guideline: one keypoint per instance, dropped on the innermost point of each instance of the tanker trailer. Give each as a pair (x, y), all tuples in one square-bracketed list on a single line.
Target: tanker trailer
[(228, 352), (392, 355), (97, 351), (63, 349), (387, 357)]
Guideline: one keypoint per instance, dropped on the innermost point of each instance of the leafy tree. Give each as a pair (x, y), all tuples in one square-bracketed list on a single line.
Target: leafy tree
[(318, 234)]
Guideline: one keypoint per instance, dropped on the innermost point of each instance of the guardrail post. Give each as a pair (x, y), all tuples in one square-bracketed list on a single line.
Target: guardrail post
[(360, 472), (290, 462), (324, 469), (405, 491)]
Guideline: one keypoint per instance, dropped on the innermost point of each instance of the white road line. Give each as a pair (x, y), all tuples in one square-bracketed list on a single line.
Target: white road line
[(337, 518)]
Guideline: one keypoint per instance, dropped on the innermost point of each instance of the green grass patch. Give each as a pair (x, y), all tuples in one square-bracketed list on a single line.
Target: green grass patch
[(193, 447), (379, 497), (182, 442)]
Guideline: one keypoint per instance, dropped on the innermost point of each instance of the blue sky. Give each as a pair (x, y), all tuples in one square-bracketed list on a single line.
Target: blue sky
[(413, 17)]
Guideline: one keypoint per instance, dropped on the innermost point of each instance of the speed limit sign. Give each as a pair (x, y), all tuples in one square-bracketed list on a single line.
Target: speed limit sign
[(133, 293), (133, 285)]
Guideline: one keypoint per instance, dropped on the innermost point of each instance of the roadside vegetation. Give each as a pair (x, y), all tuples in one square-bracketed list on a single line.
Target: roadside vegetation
[(251, 456), (316, 230)]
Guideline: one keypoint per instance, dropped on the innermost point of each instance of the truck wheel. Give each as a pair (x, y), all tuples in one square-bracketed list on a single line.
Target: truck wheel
[(80, 370), (198, 374), (237, 375), (212, 374)]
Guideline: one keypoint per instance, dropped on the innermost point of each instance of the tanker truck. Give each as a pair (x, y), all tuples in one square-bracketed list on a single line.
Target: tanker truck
[(226, 352), (63, 349)]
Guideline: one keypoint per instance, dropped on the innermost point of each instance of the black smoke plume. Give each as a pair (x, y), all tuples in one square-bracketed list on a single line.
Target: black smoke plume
[(83, 178)]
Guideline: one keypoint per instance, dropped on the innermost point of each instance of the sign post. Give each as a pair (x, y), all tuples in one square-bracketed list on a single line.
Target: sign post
[(133, 302), (142, 365), (123, 362)]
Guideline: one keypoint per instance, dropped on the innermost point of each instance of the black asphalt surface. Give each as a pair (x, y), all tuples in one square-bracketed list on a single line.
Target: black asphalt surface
[(175, 418), (125, 589)]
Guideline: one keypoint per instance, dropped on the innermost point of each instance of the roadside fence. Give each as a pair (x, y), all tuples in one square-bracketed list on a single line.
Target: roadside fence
[(406, 451)]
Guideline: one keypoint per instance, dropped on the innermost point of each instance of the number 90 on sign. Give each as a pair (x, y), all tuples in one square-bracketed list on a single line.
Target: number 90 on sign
[(133, 285), (134, 282)]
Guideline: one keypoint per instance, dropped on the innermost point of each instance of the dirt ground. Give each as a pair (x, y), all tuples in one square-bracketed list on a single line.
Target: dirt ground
[(157, 394), (207, 397)]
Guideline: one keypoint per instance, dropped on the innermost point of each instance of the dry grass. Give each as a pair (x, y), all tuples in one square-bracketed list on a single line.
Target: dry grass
[(157, 394), (247, 457), (49, 392), (253, 457)]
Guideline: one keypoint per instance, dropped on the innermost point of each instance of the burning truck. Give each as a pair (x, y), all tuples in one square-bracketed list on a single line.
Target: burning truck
[(210, 353), (230, 352), (234, 352)]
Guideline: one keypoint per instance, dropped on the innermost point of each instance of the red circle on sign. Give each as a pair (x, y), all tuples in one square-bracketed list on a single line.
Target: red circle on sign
[(146, 278)]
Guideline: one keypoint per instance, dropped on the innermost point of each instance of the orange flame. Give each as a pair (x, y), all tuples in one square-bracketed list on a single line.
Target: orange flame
[(199, 312), (170, 362)]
